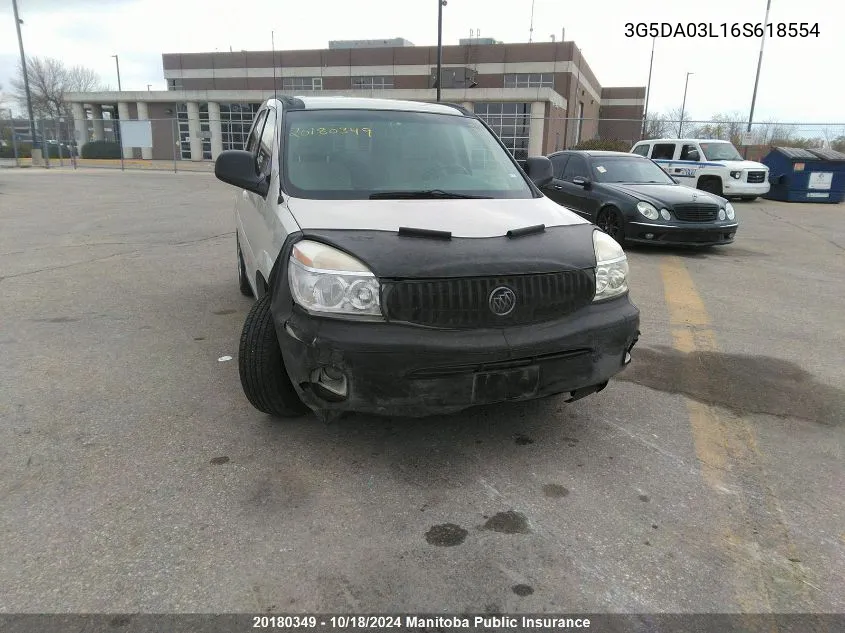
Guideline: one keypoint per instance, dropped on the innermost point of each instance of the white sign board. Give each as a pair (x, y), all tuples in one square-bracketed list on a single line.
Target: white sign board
[(820, 180), (746, 138), (136, 134)]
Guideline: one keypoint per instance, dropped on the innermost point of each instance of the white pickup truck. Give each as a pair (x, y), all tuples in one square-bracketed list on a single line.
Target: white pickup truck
[(711, 165)]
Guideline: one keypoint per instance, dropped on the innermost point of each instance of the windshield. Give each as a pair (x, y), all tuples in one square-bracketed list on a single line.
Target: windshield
[(629, 170), (358, 154), (720, 151)]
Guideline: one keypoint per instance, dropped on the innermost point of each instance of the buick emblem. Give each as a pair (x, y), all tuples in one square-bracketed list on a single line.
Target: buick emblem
[(502, 301)]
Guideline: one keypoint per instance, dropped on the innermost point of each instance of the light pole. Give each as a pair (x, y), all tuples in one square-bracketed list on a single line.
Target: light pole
[(683, 105), (759, 64), (648, 88), (117, 65), (25, 72), (440, 5)]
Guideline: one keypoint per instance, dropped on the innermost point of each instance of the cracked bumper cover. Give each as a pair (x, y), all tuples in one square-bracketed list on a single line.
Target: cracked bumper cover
[(395, 369)]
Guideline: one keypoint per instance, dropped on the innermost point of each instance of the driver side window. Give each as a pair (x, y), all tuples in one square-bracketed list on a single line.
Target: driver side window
[(252, 140), (690, 152), (576, 167)]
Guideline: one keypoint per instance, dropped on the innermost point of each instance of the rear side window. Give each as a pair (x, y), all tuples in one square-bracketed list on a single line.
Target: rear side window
[(664, 151), (642, 150)]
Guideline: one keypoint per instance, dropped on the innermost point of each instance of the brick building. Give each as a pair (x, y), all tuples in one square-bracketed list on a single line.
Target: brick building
[(538, 97)]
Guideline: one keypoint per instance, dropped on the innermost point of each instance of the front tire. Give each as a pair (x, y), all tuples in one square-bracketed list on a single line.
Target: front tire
[(264, 379), (711, 185), (611, 222)]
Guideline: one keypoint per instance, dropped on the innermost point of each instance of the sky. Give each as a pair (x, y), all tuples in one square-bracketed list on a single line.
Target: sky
[(801, 78)]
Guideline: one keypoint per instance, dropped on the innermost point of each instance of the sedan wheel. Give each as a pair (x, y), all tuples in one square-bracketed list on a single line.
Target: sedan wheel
[(610, 221)]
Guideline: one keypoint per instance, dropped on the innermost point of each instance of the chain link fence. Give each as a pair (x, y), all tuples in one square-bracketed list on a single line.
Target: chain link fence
[(177, 144)]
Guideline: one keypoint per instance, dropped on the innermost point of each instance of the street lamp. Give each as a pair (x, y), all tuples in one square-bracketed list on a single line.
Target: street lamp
[(440, 5), (648, 88), (117, 64), (25, 72), (683, 105), (759, 64)]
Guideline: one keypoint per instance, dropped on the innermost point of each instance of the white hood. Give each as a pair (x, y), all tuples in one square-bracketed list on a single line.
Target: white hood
[(463, 218)]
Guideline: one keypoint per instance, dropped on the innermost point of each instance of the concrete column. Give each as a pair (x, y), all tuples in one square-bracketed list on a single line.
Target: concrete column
[(144, 115), (536, 128), (123, 115), (216, 129), (80, 124), (194, 130), (99, 126)]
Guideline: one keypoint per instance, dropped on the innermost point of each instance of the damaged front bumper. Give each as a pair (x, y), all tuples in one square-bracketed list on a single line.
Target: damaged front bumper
[(394, 369)]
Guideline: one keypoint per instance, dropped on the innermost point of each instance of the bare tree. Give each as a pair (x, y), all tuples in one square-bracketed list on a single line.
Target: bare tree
[(49, 81), (656, 126), (726, 127)]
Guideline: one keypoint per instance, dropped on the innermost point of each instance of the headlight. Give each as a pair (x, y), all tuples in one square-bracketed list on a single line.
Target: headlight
[(736, 174), (729, 210), (611, 267), (664, 213), (721, 214), (647, 210), (326, 280)]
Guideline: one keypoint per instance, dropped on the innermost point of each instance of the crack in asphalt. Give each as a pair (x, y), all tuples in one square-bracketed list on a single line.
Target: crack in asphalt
[(803, 228), (113, 255)]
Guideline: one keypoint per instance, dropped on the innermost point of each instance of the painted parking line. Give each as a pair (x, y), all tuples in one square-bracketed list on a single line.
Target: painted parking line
[(749, 526)]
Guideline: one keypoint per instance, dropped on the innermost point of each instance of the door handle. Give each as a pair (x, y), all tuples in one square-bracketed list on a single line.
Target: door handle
[(558, 187)]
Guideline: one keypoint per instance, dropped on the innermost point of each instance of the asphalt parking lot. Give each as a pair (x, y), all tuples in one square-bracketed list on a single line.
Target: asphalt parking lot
[(135, 476)]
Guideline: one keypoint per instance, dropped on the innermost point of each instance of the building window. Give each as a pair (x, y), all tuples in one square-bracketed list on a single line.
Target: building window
[(510, 122), (529, 80), (372, 83), (300, 84), (174, 84), (185, 133), (235, 121)]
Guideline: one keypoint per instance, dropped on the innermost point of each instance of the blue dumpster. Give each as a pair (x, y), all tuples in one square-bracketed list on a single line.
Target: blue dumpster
[(805, 175)]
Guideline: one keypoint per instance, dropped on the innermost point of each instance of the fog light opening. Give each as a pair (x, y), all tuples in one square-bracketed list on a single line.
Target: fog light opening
[(330, 383), (649, 236)]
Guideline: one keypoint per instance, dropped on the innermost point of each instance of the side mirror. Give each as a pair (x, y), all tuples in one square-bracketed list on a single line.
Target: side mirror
[(582, 182), (539, 170), (693, 156), (237, 167)]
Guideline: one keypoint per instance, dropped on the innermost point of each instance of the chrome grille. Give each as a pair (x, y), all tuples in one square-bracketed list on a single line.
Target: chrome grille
[(696, 212), (464, 302)]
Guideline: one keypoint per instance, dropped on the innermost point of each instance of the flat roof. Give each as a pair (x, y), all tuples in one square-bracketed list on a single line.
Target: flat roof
[(364, 103)]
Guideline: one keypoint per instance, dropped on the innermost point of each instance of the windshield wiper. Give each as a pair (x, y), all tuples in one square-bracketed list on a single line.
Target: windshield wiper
[(422, 194), (526, 230)]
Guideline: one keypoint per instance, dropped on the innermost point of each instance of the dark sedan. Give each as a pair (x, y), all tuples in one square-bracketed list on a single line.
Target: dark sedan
[(634, 200)]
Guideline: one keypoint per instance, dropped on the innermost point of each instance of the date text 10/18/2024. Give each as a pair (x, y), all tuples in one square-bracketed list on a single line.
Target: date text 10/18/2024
[(709, 29), (414, 622)]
